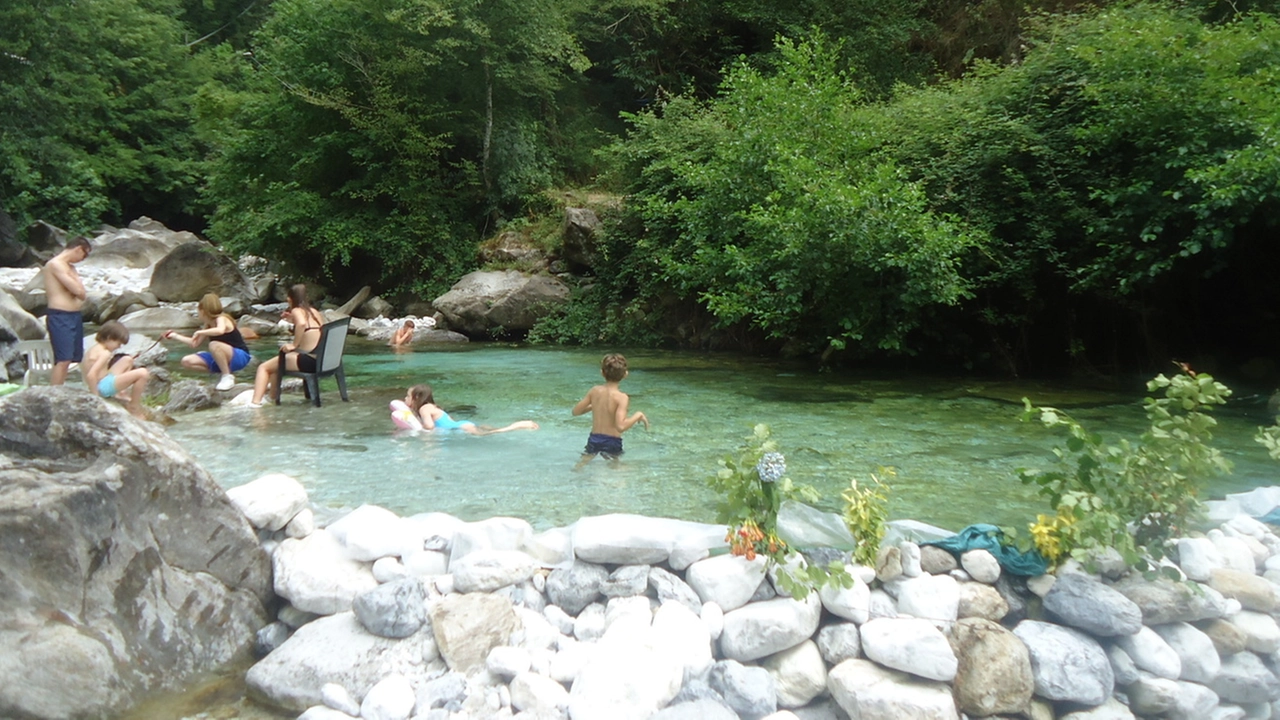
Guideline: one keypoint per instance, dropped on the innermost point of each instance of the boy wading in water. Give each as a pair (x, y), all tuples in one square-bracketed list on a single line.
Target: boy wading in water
[(608, 407)]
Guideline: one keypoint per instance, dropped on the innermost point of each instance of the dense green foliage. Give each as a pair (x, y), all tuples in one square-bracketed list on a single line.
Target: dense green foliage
[(1128, 151), (1021, 184), (768, 206), (95, 113)]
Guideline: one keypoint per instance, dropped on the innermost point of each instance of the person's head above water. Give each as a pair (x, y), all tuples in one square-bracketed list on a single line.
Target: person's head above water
[(613, 367), (418, 396)]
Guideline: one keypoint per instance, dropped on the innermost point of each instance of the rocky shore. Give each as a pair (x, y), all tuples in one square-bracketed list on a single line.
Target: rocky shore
[(127, 570), (622, 616)]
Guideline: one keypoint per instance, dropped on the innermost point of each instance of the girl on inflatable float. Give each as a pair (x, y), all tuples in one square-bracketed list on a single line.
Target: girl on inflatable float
[(418, 411)]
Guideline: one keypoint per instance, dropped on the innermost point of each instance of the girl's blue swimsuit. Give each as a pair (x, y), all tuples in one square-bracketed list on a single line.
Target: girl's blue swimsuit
[(444, 422)]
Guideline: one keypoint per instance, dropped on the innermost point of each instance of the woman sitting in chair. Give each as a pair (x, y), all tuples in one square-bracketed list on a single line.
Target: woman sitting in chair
[(297, 355)]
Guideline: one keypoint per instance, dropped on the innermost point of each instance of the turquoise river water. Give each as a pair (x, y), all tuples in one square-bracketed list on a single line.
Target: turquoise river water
[(956, 444)]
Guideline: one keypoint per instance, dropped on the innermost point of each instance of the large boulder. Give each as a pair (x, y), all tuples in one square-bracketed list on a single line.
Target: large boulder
[(338, 650), (125, 570), (141, 245), (192, 269), (500, 301), (25, 325), (579, 237)]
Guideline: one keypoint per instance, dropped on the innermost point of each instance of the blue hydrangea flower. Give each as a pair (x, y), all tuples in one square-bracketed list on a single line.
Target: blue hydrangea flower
[(772, 467)]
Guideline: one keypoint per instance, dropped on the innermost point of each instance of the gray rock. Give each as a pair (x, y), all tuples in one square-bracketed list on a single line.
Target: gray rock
[(749, 690), (936, 561), (483, 301), (437, 693), (1151, 653), (867, 691), (1165, 601), (1086, 604), (168, 579), (192, 269), (1126, 673), (1015, 594), (839, 642), (799, 674), (1068, 665), (189, 396), (334, 649), (670, 588), (25, 326), (1112, 709), (393, 610), (1200, 661), (764, 628), (271, 637), (577, 586), (1244, 679), (579, 238), (626, 581), (703, 709)]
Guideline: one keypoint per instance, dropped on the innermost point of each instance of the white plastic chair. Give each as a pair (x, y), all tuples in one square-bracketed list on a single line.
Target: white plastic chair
[(38, 355)]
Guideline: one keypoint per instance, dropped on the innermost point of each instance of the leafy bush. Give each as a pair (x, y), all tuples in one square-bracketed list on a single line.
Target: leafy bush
[(1131, 496), (866, 510), (769, 207)]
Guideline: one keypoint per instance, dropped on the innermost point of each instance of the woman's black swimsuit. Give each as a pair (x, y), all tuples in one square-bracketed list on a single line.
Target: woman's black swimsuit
[(307, 360)]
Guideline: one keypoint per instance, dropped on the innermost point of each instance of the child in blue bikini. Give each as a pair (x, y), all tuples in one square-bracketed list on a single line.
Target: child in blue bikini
[(420, 400)]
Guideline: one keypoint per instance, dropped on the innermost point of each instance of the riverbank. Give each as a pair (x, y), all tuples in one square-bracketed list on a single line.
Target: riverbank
[(633, 617)]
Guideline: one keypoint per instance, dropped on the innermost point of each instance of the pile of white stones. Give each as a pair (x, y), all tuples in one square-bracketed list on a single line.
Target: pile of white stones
[(622, 616)]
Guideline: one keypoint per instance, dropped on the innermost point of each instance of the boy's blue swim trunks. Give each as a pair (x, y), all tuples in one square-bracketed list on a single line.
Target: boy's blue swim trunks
[(601, 444)]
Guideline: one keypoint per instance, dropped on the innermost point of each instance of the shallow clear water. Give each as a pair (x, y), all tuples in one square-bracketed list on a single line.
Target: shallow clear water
[(955, 443)]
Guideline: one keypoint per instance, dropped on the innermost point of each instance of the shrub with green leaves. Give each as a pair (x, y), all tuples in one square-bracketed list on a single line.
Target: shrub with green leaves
[(1130, 496), (866, 510), (769, 206)]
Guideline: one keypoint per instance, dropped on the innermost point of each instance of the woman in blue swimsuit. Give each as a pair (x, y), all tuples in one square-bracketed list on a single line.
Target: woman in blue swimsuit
[(419, 398)]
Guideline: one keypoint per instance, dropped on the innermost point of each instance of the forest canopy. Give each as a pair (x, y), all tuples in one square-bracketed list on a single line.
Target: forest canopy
[(998, 183)]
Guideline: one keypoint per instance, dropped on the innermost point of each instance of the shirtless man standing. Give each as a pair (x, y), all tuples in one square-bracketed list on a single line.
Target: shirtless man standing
[(66, 296)]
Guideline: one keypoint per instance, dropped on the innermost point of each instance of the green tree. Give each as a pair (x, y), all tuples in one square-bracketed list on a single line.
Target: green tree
[(95, 119), (374, 137), (769, 207), (1127, 151)]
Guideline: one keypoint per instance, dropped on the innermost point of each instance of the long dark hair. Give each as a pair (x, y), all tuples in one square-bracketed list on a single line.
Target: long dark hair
[(298, 296), (420, 395)]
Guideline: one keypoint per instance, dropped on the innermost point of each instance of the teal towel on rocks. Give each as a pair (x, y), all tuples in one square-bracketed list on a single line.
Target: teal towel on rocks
[(991, 538)]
